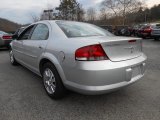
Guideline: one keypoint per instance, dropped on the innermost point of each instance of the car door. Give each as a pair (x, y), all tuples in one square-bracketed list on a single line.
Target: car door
[(35, 45), (17, 45)]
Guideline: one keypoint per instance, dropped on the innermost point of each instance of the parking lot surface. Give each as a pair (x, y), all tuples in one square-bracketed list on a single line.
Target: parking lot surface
[(22, 96)]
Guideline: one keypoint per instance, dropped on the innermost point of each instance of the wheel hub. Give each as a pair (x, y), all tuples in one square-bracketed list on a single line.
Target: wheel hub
[(49, 81)]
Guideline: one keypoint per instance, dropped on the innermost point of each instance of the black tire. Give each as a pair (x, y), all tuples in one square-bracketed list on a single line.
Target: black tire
[(156, 39), (143, 37), (12, 59), (8, 47), (59, 89)]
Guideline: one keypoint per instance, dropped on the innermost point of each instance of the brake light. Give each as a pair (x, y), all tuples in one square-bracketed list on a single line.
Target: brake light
[(6, 37), (148, 29), (91, 53)]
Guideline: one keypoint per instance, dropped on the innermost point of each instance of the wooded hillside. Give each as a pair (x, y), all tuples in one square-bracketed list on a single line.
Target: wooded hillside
[(8, 26)]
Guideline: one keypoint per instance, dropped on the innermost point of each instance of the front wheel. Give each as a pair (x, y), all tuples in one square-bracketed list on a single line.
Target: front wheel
[(52, 82), (12, 59)]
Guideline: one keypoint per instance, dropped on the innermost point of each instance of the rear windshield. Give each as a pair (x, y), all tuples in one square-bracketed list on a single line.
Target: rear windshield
[(144, 26), (1, 32), (77, 29)]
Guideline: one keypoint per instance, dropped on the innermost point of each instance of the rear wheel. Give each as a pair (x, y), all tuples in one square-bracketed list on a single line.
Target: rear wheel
[(12, 59), (52, 82)]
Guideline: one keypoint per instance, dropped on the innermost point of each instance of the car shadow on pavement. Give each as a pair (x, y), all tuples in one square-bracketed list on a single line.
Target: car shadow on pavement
[(3, 49), (157, 41), (121, 92), (152, 40)]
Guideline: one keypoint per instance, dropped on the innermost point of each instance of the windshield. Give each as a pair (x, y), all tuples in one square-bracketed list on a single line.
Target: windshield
[(77, 29)]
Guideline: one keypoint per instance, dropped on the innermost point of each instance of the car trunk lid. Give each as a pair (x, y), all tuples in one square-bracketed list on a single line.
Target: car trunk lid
[(122, 48)]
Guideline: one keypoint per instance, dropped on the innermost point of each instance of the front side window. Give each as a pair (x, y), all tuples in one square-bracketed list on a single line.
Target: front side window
[(26, 34), (76, 29), (41, 32)]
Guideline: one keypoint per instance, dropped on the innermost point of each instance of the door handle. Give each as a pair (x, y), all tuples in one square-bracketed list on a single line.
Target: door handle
[(40, 47)]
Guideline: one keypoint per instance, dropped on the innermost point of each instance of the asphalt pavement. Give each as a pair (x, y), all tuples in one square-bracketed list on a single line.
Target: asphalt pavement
[(22, 96)]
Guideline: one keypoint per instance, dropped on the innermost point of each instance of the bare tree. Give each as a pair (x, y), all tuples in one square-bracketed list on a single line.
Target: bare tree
[(129, 6), (111, 5), (122, 7), (103, 14), (79, 12), (91, 14), (35, 18)]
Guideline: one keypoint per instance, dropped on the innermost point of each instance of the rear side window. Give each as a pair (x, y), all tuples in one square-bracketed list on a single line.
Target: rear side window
[(142, 26), (41, 32), (145, 27)]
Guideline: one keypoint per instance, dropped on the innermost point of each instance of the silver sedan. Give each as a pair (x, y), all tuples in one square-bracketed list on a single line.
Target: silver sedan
[(78, 56)]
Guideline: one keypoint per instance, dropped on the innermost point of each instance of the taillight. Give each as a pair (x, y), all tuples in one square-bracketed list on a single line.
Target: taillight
[(149, 29), (6, 37), (91, 53)]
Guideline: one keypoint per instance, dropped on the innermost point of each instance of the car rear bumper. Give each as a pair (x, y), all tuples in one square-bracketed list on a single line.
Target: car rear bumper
[(5, 43), (145, 34), (102, 77), (97, 90)]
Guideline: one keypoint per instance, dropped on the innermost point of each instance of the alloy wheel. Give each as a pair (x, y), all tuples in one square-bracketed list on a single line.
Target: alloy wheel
[(11, 57), (49, 81)]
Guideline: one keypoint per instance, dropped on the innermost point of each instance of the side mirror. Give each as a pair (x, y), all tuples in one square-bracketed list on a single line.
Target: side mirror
[(14, 36)]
